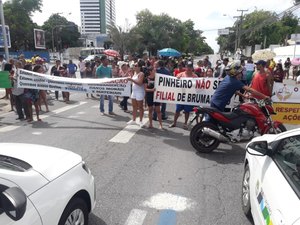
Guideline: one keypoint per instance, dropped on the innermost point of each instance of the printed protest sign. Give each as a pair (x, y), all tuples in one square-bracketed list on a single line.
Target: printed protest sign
[(114, 86)]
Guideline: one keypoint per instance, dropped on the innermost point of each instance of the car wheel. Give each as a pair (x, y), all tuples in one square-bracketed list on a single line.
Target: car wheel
[(246, 192), (75, 213)]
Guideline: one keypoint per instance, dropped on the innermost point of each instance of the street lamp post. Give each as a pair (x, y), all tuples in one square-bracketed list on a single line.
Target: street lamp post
[(53, 28)]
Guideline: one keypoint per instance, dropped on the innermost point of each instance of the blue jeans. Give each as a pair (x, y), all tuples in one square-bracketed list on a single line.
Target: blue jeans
[(110, 103)]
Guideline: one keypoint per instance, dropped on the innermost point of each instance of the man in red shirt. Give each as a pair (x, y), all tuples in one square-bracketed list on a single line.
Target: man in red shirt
[(262, 80)]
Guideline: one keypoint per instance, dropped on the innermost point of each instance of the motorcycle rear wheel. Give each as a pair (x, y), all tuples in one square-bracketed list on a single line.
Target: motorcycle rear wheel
[(203, 143)]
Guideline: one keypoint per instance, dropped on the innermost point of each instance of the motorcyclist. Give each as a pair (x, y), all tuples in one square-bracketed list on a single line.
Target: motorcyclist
[(231, 85)]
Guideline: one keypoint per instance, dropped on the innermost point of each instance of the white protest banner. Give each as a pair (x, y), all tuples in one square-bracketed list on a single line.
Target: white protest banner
[(283, 93), (188, 91), (106, 86)]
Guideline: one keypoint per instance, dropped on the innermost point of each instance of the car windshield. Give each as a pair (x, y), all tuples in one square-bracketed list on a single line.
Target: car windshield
[(288, 159), (9, 163)]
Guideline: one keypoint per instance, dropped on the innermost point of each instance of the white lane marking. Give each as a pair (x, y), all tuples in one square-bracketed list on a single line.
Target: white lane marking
[(13, 127), (127, 133), (136, 217), (162, 201), (95, 106), (8, 128), (81, 113), (36, 133), (72, 117)]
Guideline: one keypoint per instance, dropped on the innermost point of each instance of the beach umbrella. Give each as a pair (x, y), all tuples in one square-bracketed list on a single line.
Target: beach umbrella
[(263, 55), (295, 61), (169, 52), (111, 52)]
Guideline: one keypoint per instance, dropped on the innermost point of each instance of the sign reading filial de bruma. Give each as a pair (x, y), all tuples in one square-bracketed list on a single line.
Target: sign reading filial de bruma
[(188, 91), (114, 86)]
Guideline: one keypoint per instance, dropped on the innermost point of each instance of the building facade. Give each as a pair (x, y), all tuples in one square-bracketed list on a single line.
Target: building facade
[(96, 15)]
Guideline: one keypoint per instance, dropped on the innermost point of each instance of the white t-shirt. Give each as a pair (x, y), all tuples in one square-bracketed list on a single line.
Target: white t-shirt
[(298, 80)]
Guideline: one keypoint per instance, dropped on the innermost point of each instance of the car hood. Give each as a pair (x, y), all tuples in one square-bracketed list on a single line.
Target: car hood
[(48, 161)]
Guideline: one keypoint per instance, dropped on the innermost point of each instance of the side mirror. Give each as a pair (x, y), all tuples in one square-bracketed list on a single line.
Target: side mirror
[(14, 201), (261, 147)]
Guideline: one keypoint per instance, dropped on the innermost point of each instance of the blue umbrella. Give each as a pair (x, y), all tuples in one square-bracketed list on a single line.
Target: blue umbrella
[(169, 52)]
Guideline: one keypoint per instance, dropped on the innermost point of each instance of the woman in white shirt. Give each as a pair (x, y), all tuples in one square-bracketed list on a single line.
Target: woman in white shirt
[(138, 93)]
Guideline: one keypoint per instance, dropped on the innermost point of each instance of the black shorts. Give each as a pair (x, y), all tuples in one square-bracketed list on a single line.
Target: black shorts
[(149, 99)]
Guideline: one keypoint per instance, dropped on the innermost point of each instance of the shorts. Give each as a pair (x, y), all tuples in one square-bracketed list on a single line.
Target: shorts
[(185, 108), (149, 99), (139, 96)]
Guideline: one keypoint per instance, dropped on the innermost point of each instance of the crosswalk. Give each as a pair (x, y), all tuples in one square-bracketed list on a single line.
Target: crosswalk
[(123, 136)]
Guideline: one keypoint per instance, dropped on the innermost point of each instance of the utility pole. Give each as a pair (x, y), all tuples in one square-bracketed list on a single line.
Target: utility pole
[(240, 27)]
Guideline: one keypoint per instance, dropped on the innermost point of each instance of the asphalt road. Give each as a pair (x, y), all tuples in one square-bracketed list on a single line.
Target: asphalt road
[(154, 176)]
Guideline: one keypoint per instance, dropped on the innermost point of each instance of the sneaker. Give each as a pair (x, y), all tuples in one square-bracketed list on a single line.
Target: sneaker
[(102, 113), (111, 113), (131, 122), (141, 124), (185, 127)]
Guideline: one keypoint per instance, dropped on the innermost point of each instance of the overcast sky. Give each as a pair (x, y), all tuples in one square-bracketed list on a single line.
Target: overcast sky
[(208, 16)]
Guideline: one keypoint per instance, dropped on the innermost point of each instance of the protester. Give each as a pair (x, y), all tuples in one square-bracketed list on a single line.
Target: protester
[(231, 85), (149, 87), (124, 72), (18, 95), (32, 97), (55, 71), (278, 73), (262, 80), (138, 94), (249, 71), (104, 71), (162, 70), (88, 74), (287, 65), (64, 73), (81, 66), (186, 108), (72, 68)]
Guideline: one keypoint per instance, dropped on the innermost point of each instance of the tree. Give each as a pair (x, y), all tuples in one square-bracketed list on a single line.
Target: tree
[(154, 32), (62, 32), (261, 27), (17, 17)]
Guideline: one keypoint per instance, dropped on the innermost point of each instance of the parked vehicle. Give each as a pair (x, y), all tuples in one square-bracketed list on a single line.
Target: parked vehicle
[(85, 52), (271, 181), (242, 124), (42, 185)]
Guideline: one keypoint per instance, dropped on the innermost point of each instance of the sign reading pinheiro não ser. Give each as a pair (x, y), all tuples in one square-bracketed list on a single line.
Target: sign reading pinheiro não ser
[(113, 86)]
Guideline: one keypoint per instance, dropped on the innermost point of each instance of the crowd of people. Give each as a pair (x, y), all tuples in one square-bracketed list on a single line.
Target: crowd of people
[(238, 77)]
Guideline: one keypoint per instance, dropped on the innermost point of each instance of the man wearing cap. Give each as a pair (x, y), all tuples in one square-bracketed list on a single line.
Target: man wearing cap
[(262, 81), (105, 71), (231, 85)]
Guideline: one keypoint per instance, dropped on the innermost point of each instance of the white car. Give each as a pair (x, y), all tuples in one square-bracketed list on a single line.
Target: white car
[(271, 182), (42, 185)]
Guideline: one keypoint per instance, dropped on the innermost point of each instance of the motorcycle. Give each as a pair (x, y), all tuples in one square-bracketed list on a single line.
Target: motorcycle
[(246, 121)]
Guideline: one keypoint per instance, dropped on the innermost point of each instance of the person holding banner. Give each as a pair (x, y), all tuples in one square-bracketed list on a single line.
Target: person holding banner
[(105, 71), (149, 87), (186, 108), (138, 93)]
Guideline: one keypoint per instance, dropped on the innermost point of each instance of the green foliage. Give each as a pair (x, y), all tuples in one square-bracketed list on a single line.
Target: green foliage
[(154, 32), (260, 27), (61, 33), (17, 17)]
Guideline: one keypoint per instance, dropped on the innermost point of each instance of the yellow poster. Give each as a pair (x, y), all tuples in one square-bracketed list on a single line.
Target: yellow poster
[(287, 113)]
